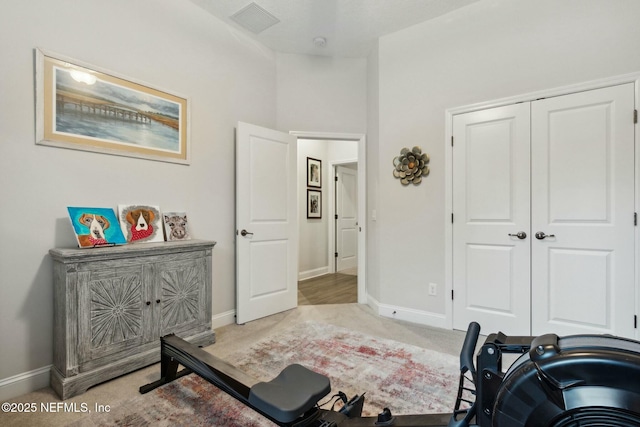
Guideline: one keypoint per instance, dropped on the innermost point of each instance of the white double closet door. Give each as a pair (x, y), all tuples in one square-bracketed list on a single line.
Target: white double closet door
[(543, 203)]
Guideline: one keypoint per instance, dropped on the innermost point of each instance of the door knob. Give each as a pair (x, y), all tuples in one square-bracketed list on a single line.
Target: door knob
[(243, 233), (540, 235), (520, 235)]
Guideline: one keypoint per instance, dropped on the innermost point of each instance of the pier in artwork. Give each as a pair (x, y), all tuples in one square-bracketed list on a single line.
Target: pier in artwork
[(88, 105)]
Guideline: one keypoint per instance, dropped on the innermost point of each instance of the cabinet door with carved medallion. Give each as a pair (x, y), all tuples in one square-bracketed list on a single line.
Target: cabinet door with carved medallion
[(113, 312), (182, 297)]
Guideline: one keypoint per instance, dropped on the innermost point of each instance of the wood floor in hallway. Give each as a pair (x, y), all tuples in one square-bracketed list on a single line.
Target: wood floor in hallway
[(336, 288)]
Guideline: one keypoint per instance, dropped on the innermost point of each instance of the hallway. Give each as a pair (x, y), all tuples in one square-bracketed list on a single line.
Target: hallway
[(336, 288)]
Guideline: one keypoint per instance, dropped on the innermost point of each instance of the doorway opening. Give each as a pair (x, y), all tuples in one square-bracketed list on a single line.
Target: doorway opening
[(322, 278)]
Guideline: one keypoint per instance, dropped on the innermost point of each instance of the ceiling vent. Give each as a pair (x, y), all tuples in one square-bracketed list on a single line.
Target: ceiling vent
[(254, 18)]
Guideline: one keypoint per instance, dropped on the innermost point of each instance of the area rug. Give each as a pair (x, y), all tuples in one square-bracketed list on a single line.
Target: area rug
[(405, 378)]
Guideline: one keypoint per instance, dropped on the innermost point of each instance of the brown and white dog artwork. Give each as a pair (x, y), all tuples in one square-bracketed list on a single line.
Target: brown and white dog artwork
[(141, 223), (96, 224)]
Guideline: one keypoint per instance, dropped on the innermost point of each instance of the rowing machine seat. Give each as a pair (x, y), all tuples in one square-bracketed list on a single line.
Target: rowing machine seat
[(289, 395)]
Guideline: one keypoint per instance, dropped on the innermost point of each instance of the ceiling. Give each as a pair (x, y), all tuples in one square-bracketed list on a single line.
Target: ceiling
[(350, 27)]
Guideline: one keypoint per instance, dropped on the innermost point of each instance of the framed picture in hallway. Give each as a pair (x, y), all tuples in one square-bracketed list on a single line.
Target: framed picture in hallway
[(314, 204), (82, 107), (314, 172)]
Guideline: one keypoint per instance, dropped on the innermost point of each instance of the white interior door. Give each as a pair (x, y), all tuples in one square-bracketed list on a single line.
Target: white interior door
[(266, 222), (491, 196), (347, 218), (583, 196), (581, 277)]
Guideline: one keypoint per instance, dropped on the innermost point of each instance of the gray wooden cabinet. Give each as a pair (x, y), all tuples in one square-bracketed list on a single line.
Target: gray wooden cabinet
[(112, 304)]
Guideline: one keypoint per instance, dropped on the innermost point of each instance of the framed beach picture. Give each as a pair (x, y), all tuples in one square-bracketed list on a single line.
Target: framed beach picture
[(314, 204), (95, 226), (314, 172), (82, 107)]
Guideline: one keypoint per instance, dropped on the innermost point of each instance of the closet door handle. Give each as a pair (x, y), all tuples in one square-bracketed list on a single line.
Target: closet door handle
[(243, 233), (540, 235), (520, 235)]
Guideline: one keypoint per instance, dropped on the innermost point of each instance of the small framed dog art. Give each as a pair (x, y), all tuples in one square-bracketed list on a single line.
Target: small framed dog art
[(141, 223), (95, 226)]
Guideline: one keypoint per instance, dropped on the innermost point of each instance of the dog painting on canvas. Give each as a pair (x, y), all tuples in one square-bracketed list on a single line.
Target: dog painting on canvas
[(140, 223), (95, 226)]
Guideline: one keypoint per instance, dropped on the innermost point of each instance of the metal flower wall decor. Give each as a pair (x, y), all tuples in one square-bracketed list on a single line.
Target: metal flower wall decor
[(411, 166)]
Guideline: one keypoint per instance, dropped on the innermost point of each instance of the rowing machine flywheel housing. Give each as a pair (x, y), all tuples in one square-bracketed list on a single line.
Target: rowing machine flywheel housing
[(581, 380)]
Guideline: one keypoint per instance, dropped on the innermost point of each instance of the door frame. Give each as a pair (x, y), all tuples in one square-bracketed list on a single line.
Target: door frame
[(528, 97), (362, 195)]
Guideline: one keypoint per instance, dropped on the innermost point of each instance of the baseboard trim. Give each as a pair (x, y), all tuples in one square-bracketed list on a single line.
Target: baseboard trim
[(373, 303), (223, 319), (309, 274), (415, 316), (23, 383)]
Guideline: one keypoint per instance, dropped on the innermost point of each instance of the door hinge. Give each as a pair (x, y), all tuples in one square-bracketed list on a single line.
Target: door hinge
[(635, 116), (635, 218), (452, 140), (452, 218), (451, 294), (336, 216), (336, 254), (336, 178), (635, 321)]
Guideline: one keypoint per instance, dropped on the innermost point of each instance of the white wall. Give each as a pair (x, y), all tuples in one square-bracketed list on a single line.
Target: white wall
[(312, 243), (170, 44), (342, 151), (488, 50), (313, 247), (321, 94)]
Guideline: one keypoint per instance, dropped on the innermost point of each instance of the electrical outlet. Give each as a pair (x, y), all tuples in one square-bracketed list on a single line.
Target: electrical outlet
[(433, 289)]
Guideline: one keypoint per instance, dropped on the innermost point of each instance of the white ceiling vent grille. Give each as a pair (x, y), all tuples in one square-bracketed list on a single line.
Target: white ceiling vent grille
[(254, 18)]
